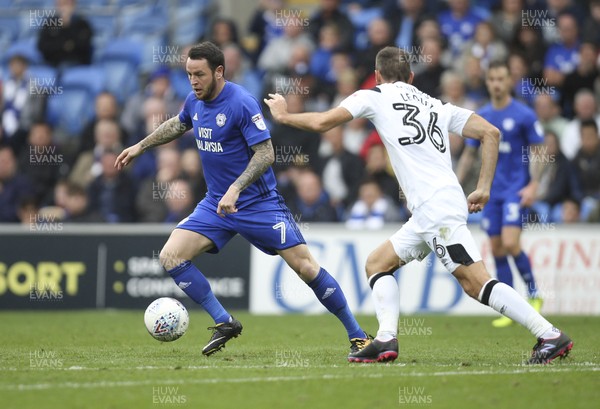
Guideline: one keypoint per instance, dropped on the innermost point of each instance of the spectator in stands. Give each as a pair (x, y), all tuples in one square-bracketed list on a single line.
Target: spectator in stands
[(14, 187), (570, 212), (112, 193), (587, 163), (379, 36), (548, 113), (106, 107), (506, 20), (238, 69), (329, 12), (453, 90), (528, 41), (458, 24), (223, 32), (561, 58), (77, 209), (372, 209), (320, 62), (553, 10), (404, 16), (428, 80), (180, 201), (277, 53), (312, 202), (88, 165), (474, 81), (341, 171), (27, 210), (18, 105), (558, 181), (41, 161), (134, 117), (584, 77), (151, 206), (585, 109), (266, 24), (376, 168), (484, 46), (66, 39), (525, 87), (591, 27)]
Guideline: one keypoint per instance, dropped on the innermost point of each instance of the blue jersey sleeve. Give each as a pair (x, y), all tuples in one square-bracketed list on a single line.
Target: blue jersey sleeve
[(252, 123), (184, 115), (533, 129)]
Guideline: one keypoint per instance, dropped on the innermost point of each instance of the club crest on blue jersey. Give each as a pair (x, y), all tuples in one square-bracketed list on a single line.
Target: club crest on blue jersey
[(221, 118)]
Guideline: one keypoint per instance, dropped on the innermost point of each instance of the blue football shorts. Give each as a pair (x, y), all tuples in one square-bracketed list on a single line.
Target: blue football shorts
[(267, 224), (500, 212)]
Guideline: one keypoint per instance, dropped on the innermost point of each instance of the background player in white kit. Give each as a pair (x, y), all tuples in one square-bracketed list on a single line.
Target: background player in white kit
[(414, 128)]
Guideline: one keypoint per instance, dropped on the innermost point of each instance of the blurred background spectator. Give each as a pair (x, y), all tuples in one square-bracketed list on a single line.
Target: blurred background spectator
[(94, 76), (372, 209)]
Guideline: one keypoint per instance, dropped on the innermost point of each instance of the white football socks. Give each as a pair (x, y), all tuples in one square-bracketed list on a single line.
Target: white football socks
[(509, 303), (386, 298)]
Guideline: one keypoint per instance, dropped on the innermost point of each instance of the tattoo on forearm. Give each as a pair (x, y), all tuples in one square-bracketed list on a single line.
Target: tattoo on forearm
[(165, 133), (261, 160)]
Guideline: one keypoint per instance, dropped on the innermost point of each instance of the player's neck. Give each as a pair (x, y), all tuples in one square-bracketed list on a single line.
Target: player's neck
[(218, 89), (503, 102)]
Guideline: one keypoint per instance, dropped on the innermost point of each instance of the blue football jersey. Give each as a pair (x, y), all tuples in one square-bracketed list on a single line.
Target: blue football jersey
[(225, 129), (519, 128)]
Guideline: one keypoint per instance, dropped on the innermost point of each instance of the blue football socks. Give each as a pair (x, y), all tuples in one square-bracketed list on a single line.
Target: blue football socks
[(196, 286), (524, 267), (503, 273), (330, 294)]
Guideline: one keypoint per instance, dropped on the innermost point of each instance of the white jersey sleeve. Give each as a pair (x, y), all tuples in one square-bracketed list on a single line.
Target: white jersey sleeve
[(359, 104), (458, 118)]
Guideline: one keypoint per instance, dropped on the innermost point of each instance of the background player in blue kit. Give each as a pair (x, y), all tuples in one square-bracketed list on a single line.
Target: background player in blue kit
[(515, 182), (236, 152)]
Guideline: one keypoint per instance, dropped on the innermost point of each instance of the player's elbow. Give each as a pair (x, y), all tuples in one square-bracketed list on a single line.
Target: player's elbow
[(492, 135)]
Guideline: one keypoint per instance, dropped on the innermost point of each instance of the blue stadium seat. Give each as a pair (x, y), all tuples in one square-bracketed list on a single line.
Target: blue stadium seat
[(191, 22), (120, 60), (73, 106), (148, 25), (180, 83), (105, 28), (27, 48), (10, 27)]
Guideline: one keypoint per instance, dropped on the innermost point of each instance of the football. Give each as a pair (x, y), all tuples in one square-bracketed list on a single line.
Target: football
[(166, 319)]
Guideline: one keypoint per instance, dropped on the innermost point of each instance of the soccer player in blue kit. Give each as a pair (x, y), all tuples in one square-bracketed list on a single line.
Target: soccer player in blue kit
[(236, 152), (515, 182)]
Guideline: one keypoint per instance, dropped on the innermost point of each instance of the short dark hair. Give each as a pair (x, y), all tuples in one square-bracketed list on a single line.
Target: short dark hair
[(209, 52), (393, 64), (589, 123), (498, 64)]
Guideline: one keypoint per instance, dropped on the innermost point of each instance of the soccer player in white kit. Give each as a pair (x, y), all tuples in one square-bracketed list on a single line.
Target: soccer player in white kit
[(414, 128)]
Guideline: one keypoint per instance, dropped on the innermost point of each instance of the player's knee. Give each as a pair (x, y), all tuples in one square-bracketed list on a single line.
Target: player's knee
[(375, 265), (307, 269), (512, 247), (169, 258)]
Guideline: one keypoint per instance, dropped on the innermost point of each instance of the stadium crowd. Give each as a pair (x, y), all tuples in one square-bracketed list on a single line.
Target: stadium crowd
[(71, 100)]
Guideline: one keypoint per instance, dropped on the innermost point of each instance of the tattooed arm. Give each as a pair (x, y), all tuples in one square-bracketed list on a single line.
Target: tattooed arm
[(261, 160), (165, 133)]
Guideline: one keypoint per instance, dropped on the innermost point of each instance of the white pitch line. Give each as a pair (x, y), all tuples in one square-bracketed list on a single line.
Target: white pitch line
[(117, 384), (575, 365)]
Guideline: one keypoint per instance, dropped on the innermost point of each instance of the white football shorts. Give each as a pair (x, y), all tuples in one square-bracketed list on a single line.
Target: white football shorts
[(439, 225)]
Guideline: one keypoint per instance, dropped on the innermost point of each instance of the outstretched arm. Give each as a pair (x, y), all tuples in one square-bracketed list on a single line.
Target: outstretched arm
[(165, 133), (309, 121), (489, 136), (261, 160)]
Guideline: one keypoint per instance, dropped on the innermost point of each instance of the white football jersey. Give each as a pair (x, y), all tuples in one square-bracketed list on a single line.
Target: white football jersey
[(414, 128)]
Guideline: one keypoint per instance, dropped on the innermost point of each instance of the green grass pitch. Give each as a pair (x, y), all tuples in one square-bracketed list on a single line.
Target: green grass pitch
[(105, 359)]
